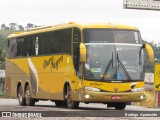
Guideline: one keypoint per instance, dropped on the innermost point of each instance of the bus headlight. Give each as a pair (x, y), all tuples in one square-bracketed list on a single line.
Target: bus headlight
[(141, 97), (87, 96), (137, 90), (92, 89)]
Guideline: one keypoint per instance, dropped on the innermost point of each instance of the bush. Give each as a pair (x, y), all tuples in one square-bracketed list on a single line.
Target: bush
[(1, 94)]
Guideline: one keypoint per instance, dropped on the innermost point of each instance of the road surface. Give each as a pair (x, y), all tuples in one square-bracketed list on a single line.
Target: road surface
[(92, 111)]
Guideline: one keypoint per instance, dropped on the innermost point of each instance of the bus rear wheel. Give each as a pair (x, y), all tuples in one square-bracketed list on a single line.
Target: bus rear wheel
[(29, 100), (21, 99), (120, 106), (70, 102)]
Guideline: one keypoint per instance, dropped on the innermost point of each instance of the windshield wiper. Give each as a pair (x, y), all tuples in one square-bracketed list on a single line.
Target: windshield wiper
[(108, 66), (123, 67)]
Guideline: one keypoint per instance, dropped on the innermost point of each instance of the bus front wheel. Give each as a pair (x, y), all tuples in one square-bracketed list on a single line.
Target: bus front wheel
[(70, 102), (21, 99), (29, 100), (120, 106)]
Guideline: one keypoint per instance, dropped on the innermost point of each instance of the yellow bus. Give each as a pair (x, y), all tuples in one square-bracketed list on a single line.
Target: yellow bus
[(72, 63)]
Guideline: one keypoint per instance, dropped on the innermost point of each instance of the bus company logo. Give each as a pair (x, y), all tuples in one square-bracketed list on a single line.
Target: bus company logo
[(52, 62), (116, 89)]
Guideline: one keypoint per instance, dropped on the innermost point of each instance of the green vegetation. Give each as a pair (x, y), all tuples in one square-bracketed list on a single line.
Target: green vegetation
[(3, 36), (1, 94)]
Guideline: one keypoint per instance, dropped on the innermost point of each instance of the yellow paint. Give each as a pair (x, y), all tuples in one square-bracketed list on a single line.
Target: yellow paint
[(82, 52), (150, 53), (109, 87), (157, 77)]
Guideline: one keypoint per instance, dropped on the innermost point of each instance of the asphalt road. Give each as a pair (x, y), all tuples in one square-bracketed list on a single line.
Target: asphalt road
[(92, 111)]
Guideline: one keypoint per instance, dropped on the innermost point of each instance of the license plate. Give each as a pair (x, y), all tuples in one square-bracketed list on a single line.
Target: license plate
[(116, 97)]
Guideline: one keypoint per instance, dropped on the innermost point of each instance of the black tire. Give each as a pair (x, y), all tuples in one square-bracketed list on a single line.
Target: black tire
[(21, 99), (120, 106), (29, 100), (70, 103), (59, 103)]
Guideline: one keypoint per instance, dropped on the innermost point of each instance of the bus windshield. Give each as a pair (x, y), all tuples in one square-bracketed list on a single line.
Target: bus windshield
[(110, 60)]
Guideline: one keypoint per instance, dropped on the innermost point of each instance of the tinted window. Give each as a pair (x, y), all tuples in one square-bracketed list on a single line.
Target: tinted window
[(126, 36), (45, 43), (98, 36), (20, 44), (11, 48), (55, 42), (26, 45), (111, 36), (63, 39)]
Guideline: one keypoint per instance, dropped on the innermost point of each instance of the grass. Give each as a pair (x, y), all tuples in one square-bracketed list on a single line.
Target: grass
[(1, 94), (5, 33)]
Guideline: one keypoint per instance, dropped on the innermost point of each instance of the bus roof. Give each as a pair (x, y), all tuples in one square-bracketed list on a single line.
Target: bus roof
[(70, 24)]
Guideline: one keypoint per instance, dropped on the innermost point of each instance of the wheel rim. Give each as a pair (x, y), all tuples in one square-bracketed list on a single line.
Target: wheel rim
[(27, 94), (69, 95), (69, 98), (20, 94)]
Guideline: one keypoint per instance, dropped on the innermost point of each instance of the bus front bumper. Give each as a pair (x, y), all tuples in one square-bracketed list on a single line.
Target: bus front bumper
[(90, 96)]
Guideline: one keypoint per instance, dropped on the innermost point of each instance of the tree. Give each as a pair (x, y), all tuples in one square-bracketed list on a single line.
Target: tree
[(13, 26), (3, 26), (30, 25), (21, 27)]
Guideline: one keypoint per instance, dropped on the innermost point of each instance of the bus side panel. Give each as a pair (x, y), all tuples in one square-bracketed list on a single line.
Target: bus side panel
[(15, 74), (50, 86), (8, 86), (49, 72)]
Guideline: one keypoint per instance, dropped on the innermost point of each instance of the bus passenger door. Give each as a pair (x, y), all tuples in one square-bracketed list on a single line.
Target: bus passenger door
[(76, 43)]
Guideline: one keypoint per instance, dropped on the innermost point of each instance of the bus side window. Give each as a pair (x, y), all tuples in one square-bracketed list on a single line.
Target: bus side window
[(7, 45), (8, 42), (30, 43), (8, 49), (20, 44), (76, 43), (11, 48)]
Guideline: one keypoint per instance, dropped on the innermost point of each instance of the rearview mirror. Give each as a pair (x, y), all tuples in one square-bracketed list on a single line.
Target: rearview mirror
[(82, 53), (149, 52)]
